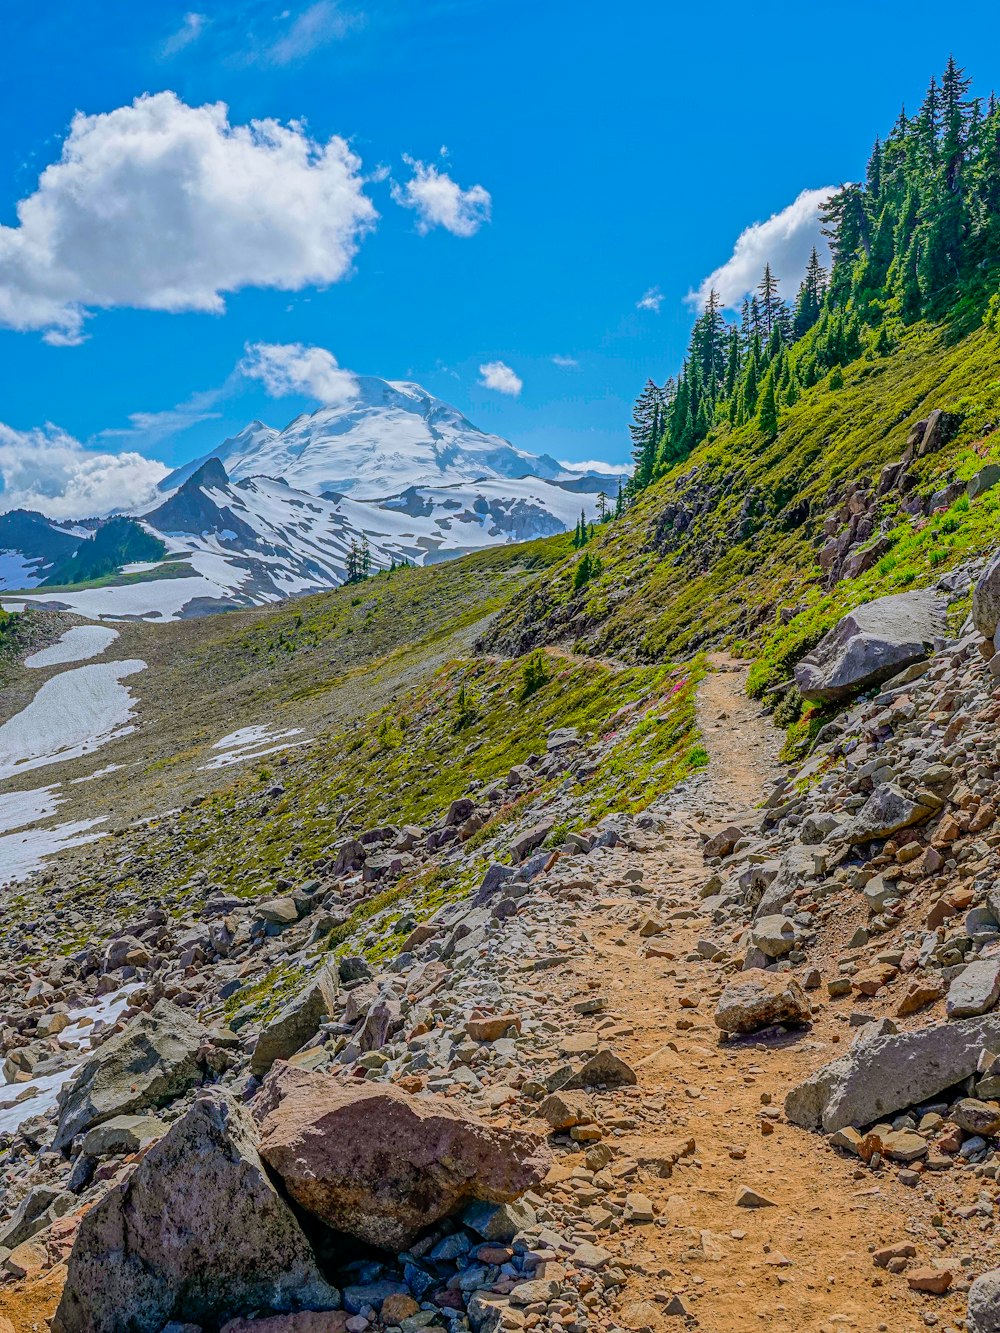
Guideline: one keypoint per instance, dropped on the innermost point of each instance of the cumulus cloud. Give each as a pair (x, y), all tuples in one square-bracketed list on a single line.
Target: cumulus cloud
[(314, 27), (48, 470), (192, 26), (164, 206), (651, 299), (439, 202), (784, 241), (499, 376), (565, 362), (285, 368), (600, 465)]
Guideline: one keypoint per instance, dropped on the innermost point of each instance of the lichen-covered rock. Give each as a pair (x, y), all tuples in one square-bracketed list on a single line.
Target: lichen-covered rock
[(883, 1075), (382, 1165), (297, 1022), (151, 1061), (197, 1234), (871, 643), (983, 1314)]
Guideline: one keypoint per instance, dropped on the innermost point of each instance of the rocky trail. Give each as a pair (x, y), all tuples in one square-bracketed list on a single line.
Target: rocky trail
[(582, 1099)]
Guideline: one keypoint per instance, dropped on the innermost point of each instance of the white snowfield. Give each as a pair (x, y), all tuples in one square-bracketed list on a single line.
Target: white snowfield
[(18, 808), (157, 599), (25, 850), (76, 645), (251, 743), (72, 714)]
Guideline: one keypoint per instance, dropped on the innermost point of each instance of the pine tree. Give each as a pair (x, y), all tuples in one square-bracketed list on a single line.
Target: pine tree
[(646, 429), (767, 416), (769, 302)]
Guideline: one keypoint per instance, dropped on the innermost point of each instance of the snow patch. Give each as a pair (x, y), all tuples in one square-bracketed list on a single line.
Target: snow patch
[(18, 808), (23, 852), (20, 1101), (246, 744), (76, 645), (72, 714)]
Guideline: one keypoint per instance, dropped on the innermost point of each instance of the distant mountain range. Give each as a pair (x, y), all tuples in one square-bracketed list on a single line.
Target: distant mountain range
[(271, 514)]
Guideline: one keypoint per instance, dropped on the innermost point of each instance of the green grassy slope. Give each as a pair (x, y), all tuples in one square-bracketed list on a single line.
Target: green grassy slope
[(715, 550), (316, 663)]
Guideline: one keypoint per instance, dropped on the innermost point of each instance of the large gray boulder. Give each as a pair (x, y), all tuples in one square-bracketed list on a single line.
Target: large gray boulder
[(149, 1063), (196, 1234), (876, 1078), (297, 1022), (983, 1314), (986, 599), (873, 642)]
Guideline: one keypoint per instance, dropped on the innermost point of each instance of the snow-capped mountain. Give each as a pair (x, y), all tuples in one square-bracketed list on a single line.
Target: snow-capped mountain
[(391, 436), (270, 514), (245, 543)]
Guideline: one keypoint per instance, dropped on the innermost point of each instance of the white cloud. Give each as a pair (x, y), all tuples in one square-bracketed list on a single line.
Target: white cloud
[(152, 427), (439, 202), (596, 465), (50, 471), (285, 368), (499, 376), (565, 362), (163, 206), (784, 241), (192, 26), (314, 27), (651, 299)]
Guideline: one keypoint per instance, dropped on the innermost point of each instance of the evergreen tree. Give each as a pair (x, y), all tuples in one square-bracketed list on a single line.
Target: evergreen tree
[(767, 416)]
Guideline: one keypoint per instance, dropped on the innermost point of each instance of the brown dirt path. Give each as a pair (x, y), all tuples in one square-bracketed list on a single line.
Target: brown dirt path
[(805, 1263)]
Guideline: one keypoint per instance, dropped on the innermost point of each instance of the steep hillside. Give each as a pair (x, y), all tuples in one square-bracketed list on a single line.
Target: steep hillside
[(726, 546)]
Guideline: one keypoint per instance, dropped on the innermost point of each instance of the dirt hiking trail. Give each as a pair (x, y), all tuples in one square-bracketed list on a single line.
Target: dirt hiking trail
[(804, 1262)]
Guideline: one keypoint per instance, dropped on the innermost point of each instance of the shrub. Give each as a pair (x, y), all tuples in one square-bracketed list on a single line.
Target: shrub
[(533, 676)]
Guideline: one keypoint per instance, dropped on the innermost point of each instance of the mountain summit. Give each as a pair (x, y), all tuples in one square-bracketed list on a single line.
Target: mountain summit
[(392, 435)]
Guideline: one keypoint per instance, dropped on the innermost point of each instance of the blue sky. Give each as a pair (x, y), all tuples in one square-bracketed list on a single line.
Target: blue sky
[(618, 151)]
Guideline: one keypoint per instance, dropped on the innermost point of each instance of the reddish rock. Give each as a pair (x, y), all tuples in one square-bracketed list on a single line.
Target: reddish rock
[(492, 1026), (935, 1280), (920, 992), (381, 1165)]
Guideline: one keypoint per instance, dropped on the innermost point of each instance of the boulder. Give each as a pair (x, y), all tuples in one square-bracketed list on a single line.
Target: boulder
[(984, 480), (886, 811), (975, 990), (871, 643), (774, 936), (885, 1074), (122, 1134), (297, 1022), (761, 1000), (149, 1063), (526, 842), (986, 599), (983, 1314), (382, 1165), (196, 1234)]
